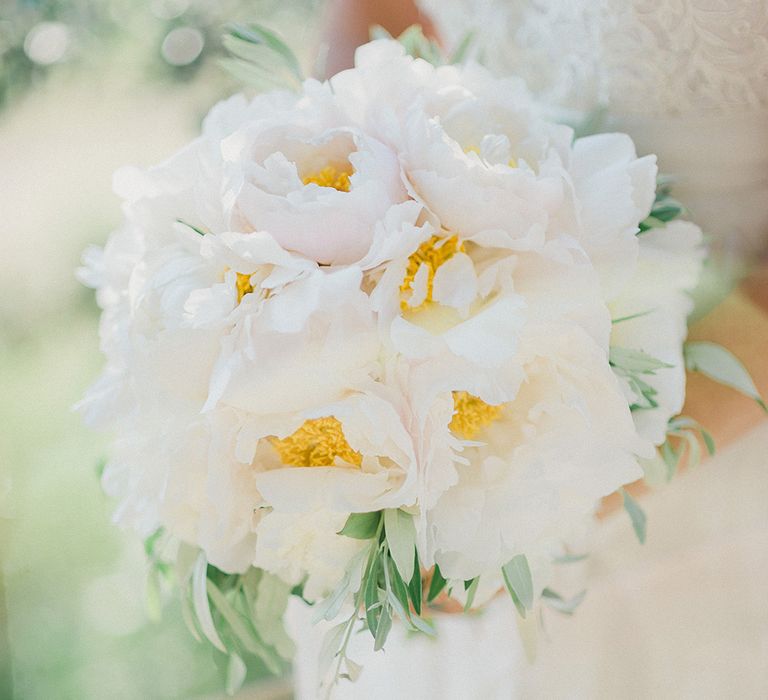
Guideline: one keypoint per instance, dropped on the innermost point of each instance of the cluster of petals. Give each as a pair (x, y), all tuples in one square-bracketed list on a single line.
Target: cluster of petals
[(394, 289)]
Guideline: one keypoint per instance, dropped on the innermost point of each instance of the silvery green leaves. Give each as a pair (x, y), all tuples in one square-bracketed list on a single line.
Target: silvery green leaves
[(160, 573), (566, 606), (418, 45), (401, 539), (519, 583), (392, 579), (239, 614), (636, 515), (687, 446), (389, 587), (414, 41), (719, 364), (260, 58), (632, 365), (361, 526), (665, 207)]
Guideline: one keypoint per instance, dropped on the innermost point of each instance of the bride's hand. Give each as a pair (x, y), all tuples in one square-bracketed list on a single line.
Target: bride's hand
[(348, 22)]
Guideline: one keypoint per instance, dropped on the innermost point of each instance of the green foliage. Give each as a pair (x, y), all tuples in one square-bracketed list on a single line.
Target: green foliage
[(260, 58), (436, 585), (630, 317), (416, 44), (471, 588), (240, 615), (665, 207), (517, 577), (688, 448), (570, 558), (401, 539), (361, 526), (382, 594), (197, 230), (722, 366), (459, 54), (636, 515), (632, 365), (562, 605)]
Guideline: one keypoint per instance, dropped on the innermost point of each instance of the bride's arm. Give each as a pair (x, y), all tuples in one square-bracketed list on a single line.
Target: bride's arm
[(740, 324), (348, 22)]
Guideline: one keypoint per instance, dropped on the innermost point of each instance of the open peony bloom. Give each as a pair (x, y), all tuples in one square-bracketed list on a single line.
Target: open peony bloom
[(403, 291)]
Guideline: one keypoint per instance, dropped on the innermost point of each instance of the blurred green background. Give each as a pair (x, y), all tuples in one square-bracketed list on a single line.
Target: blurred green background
[(85, 87)]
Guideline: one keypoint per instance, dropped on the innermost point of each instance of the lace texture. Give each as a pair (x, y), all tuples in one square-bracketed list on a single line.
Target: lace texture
[(654, 57)]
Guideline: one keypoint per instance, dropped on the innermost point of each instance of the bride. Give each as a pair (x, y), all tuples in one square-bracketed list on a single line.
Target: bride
[(686, 615)]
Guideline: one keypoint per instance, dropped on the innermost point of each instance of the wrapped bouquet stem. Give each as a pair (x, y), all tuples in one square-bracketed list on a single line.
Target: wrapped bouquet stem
[(392, 324)]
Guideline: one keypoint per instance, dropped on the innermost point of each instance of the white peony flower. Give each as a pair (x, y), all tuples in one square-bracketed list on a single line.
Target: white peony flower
[(558, 445), (316, 183)]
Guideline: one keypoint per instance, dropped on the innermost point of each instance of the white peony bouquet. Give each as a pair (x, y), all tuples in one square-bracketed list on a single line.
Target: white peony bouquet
[(382, 342)]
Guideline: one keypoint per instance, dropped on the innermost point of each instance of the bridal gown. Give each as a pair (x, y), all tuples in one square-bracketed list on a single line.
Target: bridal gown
[(684, 616)]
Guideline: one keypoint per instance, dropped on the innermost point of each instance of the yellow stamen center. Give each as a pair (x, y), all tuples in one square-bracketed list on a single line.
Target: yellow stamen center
[(471, 414), (512, 162), (330, 177), (431, 253), (317, 443), (244, 286)]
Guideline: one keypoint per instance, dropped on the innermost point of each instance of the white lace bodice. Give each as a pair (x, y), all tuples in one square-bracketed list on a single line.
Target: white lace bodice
[(658, 57), (687, 79)]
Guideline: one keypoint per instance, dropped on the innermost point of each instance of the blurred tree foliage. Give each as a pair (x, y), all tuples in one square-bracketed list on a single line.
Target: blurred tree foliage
[(89, 29)]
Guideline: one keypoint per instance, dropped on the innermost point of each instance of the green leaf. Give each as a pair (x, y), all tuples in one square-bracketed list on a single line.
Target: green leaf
[(236, 672), (397, 594), (100, 466), (328, 608), (415, 591), (460, 52), (200, 603), (401, 539), (636, 515), (720, 364), (471, 591), (570, 558), (242, 629), (361, 526), (198, 231), (423, 625), (557, 602), (255, 35), (517, 577), (655, 470), (371, 594), (419, 46), (382, 630), (681, 425), (631, 317), (436, 585), (186, 557), (153, 597), (150, 544), (188, 615), (329, 647), (633, 360), (671, 458), (709, 442)]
